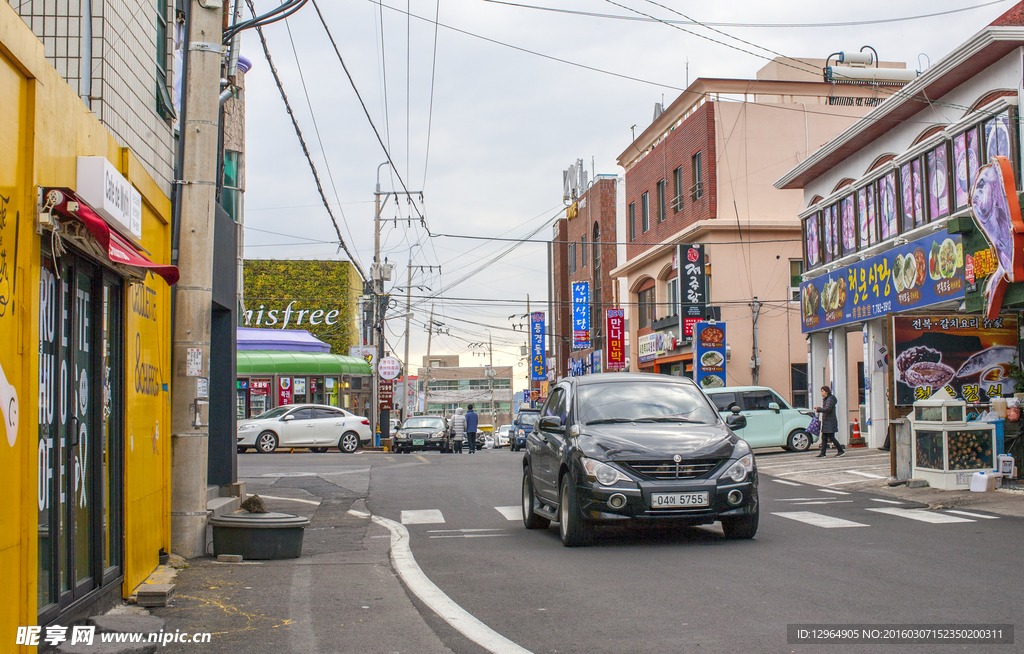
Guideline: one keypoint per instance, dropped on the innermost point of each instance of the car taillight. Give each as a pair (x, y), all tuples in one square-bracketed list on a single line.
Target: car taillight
[(365, 421)]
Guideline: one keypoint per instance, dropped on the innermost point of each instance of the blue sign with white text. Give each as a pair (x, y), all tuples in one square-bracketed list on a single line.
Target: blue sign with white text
[(581, 315), (538, 354)]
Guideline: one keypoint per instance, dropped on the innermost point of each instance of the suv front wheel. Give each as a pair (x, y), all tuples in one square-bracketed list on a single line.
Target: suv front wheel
[(571, 528)]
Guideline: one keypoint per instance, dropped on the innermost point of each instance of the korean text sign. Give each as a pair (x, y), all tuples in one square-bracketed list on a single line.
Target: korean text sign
[(915, 275), (581, 314), (692, 286), (538, 362), (967, 355), (615, 319), (709, 354)]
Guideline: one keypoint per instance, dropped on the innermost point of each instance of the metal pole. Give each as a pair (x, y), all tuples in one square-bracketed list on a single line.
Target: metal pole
[(194, 291), (755, 364), (405, 362)]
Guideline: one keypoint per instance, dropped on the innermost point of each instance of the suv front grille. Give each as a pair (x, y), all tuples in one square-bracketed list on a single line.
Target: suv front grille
[(669, 469)]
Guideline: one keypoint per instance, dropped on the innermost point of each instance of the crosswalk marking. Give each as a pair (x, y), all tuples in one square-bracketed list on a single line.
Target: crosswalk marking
[(973, 515), (819, 520), (834, 492), (876, 499), (422, 517), (510, 512), (825, 502), (783, 481), (864, 474), (923, 516)]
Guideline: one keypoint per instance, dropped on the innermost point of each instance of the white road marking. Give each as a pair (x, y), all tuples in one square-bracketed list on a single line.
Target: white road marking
[(819, 520), (470, 536), (852, 481), (434, 597), (788, 483), (834, 492), (510, 512), (458, 531), (289, 499), (422, 517), (801, 499), (864, 474), (875, 499), (826, 502), (923, 516), (973, 515)]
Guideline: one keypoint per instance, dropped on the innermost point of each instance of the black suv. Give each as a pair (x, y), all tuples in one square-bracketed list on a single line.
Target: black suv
[(612, 447)]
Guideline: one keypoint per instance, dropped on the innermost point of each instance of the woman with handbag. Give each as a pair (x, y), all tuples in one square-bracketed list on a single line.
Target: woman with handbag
[(829, 423), (458, 428)]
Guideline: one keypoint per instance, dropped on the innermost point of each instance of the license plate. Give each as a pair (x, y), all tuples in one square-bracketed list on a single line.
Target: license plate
[(680, 500), (418, 441)]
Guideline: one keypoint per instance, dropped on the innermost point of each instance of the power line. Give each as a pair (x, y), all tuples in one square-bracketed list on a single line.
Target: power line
[(855, 23), (302, 141)]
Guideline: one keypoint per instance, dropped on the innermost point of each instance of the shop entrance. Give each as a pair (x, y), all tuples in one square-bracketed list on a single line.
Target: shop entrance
[(80, 450)]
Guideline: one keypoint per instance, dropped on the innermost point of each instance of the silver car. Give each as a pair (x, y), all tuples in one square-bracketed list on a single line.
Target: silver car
[(316, 426)]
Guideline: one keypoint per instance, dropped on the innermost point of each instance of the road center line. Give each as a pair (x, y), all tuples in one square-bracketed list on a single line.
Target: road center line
[(288, 499), (788, 483), (428, 593)]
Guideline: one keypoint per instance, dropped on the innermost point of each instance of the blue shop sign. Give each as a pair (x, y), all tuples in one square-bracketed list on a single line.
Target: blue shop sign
[(915, 275)]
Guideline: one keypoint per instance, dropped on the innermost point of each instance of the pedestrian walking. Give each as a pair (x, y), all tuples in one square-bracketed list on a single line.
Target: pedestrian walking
[(829, 423), (471, 423), (458, 429)]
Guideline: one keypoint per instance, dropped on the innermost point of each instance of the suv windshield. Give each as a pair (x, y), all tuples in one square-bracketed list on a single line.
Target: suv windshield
[(424, 422), (647, 402), (528, 419)]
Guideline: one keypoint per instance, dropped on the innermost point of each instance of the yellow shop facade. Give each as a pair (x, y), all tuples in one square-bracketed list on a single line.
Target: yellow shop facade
[(85, 320)]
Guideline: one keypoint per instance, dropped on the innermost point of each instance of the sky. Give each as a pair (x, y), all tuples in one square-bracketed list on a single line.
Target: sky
[(482, 113)]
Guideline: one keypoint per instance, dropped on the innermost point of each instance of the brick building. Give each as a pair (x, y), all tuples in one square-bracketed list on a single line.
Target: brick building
[(584, 251), (702, 172)]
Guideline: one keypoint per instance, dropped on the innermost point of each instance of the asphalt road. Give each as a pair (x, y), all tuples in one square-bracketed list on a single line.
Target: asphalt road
[(824, 554)]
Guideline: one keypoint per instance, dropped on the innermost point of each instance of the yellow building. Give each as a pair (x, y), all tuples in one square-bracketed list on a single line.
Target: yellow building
[(84, 351)]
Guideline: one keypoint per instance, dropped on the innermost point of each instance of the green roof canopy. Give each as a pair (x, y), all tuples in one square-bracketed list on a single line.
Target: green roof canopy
[(269, 362)]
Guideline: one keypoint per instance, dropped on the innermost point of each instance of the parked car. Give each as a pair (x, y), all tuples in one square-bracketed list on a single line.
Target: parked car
[(503, 436), (522, 426), (771, 421), (315, 426), (612, 447), (422, 433)]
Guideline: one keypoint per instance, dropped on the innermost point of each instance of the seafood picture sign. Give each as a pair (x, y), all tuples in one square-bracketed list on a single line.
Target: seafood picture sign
[(914, 275), (968, 355), (709, 354)]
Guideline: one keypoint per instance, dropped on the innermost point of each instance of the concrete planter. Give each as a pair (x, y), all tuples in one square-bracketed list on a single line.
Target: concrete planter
[(259, 535)]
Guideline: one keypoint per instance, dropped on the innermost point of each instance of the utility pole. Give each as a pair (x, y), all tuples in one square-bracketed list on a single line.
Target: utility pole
[(755, 358), (405, 361), (190, 350)]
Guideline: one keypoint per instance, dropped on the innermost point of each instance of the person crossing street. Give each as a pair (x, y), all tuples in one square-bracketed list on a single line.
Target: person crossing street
[(829, 423), (472, 420)]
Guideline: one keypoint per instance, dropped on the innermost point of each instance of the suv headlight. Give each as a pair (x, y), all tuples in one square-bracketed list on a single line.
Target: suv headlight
[(738, 471), (604, 473), (437, 434)]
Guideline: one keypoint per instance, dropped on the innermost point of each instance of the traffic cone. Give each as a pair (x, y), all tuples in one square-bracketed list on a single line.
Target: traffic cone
[(856, 440)]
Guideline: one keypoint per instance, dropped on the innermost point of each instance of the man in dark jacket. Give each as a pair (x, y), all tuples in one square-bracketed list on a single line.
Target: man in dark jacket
[(829, 423), (471, 423)]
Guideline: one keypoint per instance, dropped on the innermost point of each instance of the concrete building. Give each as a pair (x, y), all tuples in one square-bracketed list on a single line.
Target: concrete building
[(702, 173), (583, 250), (447, 386), (903, 175), (84, 365)]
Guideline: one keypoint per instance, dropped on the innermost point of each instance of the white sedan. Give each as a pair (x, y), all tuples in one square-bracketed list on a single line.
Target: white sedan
[(315, 426), (504, 436)]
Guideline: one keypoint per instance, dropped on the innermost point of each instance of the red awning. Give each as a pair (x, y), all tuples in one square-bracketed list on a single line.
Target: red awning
[(116, 247)]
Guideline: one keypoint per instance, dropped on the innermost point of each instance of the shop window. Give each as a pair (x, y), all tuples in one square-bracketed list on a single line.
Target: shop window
[(645, 212), (661, 201), (867, 229), (798, 381), (164, 104), (677, 189), (231, 193), (884, 194), (937, 163), (672, 297), (646, 306)]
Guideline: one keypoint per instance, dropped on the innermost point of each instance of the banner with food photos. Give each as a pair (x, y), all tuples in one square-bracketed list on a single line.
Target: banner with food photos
[(709, 354), (914, 275), (968, 355)]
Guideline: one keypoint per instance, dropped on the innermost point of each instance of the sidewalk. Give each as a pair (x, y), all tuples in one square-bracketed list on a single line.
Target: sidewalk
[(1008, 501), (340, 596)]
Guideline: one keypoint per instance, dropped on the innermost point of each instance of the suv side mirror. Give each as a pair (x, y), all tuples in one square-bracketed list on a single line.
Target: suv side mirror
[(773, 406), (736, 421), (551, 423)]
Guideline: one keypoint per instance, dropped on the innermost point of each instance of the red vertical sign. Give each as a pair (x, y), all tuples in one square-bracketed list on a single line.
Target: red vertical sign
[(284, 391), (615, 321)]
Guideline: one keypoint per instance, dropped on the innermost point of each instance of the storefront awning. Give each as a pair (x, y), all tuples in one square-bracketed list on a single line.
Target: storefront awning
[(114, 246), (264, 362)]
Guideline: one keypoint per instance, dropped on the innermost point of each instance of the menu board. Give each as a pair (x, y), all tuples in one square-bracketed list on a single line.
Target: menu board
[(915, 275), (709, 354)]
